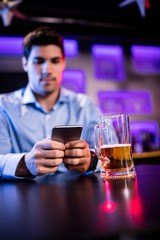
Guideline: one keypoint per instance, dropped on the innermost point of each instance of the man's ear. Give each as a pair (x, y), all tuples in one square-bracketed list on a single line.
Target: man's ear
[(24, 64)]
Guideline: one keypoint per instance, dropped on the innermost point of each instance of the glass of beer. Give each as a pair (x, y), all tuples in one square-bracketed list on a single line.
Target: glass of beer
[(113, 147)]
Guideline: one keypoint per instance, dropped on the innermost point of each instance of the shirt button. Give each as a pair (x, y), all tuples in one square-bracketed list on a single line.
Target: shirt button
[(47, 116)]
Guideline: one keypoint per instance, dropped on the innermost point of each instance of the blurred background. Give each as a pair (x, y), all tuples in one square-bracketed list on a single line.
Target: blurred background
[(112, 50)]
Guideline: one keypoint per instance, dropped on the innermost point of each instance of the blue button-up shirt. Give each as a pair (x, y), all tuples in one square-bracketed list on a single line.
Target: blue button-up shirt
[(23, 122)]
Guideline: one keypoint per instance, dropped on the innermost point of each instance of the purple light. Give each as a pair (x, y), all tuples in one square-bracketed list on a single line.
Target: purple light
[(71, 48), (151, 127), (74, 80), (135, 102), (13, 46), (146, 59), (108, 62)]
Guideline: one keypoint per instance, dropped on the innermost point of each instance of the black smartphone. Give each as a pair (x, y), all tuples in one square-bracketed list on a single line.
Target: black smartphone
[(66, 133)]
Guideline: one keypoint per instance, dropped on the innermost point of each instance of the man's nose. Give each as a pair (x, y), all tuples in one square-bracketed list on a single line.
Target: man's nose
[(47, 66)]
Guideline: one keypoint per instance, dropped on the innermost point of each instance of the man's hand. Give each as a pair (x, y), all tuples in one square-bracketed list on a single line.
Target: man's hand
[(77, 155), (45, 157)]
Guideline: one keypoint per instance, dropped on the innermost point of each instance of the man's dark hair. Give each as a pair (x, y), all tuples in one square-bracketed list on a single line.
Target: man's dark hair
[(42, 36)]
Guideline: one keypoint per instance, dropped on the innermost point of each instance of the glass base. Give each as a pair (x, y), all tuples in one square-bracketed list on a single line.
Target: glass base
[(114, 174)]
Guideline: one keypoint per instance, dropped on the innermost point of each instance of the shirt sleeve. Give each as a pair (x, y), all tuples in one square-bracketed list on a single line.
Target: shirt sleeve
[(8, 165), (91, 114)]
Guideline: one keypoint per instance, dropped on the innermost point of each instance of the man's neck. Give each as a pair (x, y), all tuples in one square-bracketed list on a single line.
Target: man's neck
[(47, 101)]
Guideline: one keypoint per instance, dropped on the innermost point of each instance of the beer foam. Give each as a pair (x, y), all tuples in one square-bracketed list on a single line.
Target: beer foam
[(116, 145)]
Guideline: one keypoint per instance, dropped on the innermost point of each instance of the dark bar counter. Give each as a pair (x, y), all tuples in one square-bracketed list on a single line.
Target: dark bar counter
[(75, 206)]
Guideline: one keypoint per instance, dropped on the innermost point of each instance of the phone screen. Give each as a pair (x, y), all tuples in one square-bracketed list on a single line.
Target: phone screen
[(66, 133)]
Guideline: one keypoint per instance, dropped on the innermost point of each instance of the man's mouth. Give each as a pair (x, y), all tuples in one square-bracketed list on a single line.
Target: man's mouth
[(48, 79)]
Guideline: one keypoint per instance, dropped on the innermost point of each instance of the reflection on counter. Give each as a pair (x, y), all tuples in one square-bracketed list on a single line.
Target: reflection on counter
[(112, 204)]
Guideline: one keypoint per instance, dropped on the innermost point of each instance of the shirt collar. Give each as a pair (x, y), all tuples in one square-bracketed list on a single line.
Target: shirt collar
[(28, 96)]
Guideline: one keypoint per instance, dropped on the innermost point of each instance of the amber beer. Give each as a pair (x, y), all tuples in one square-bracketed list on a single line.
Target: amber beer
[(116, 157)]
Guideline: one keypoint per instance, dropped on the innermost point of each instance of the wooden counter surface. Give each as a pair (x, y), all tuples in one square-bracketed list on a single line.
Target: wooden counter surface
[(152, 154)]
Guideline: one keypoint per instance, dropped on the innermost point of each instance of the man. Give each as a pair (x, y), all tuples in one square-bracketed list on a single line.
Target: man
[(27, 115)]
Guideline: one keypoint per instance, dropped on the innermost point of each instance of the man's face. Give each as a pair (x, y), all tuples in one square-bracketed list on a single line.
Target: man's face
[(44, 67)]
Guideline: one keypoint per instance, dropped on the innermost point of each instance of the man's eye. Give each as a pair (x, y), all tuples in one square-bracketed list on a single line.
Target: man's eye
[(56, 60), (38, 61)]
